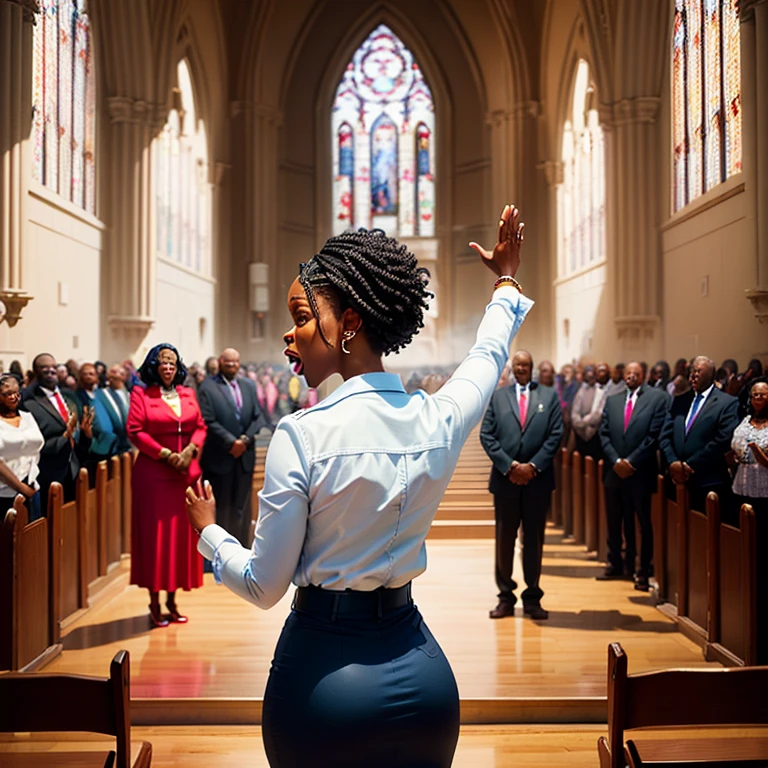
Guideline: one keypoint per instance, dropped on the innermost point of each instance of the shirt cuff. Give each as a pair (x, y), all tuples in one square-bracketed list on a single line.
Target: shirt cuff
[(517, 299)]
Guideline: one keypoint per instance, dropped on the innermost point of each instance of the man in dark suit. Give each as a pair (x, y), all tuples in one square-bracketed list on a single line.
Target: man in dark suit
[(104, 442), (231, 411), (629, 434), (696, 436), (521, 432), (67, 443)]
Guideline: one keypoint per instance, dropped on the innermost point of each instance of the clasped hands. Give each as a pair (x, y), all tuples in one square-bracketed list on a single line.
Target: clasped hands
[(181, 461), (238, 448), (679, 471), (521, 474), (623, 469)]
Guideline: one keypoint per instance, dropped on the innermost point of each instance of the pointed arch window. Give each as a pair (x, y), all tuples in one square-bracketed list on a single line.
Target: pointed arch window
[(706, 96), (182, 190), (581, 195), (383, 129), (64, 102)]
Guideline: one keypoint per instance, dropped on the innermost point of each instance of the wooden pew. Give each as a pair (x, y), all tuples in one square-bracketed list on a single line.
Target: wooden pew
[(732, 603), (577, 496), (43, 702), (112, 499), (660, 554), (667, 538), (557, 495), (602, 516), (682, 698), (28, 636), (126, 472), (692, 575), (566, 496), (591, 509)]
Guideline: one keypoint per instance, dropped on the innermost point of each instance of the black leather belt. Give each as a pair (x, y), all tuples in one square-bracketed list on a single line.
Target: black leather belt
[(330, 603)]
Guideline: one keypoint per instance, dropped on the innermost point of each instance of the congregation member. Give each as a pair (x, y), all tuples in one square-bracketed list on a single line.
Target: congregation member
[(232, 414), (211, 367), (629, 435), (521, 433), (659, 377), (165, 424), (750, 486), (104, 441), (680, 373), (546, 374), (697, 436), (20, 444), (116, 401), (67, 438), (351, 490), (616, 383), (587, 410)]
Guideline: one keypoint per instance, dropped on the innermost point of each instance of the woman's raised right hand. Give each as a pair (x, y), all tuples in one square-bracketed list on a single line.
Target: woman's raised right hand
[(505, 257)]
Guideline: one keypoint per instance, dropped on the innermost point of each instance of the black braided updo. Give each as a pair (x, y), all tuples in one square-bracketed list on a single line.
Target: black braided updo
[(378, 278)]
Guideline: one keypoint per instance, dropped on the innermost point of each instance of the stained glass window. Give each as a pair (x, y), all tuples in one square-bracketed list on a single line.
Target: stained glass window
[(181, 186), (383, 129), (63, 100), (581, 194), (706, 96)]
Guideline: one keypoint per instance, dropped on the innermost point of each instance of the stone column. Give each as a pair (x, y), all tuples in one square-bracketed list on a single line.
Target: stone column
[(631, 236), (754, 98), (261, 128), (130, 261), (16, 22)]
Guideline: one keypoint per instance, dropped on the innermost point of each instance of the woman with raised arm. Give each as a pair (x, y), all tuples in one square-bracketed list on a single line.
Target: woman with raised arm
[(351, 489)]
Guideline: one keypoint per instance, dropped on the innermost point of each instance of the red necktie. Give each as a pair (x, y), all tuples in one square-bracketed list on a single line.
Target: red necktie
[(60, 404), (523, 408), (628, 413)]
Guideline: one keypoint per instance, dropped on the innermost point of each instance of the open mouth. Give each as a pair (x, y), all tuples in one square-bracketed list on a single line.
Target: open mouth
[(297, 366)]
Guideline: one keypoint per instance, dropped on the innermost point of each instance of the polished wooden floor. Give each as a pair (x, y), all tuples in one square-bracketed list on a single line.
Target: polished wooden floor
[(506, 746), (225, 649)]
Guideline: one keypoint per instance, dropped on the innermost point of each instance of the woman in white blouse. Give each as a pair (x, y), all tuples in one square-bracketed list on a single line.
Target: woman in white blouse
[(20, 444), (352, 486)]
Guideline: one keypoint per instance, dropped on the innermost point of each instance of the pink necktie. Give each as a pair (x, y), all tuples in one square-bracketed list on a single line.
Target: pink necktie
[(627, 413), (523, 408)]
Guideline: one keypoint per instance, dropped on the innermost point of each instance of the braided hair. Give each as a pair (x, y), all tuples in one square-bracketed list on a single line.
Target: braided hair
[(378, 278)]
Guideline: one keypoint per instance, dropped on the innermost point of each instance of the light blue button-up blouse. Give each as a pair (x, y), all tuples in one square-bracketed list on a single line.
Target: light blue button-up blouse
[(352, 485)]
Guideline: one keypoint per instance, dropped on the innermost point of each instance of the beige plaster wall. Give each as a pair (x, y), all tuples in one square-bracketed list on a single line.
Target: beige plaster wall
[(62, 260)]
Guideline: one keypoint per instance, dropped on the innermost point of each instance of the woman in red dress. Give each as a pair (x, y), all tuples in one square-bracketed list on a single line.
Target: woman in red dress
[(165, 424)]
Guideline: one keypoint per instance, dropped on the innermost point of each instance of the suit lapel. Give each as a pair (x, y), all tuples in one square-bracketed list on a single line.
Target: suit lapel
[(513, 400), (711, 398), (533, 404), (42, 398)]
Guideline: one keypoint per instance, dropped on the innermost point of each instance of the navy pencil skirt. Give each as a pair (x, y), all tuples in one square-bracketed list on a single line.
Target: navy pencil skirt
[(360, 690)]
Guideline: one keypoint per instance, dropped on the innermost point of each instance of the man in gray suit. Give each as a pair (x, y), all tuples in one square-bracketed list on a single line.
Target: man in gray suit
[(629, 436), (231, 410), (587, 410), (521, 432)]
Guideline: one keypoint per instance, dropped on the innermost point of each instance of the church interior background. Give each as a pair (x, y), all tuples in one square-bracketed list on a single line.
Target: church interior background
[(167, 165)]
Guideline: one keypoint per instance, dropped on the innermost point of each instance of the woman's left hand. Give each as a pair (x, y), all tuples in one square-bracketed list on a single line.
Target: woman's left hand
[(201, 505)]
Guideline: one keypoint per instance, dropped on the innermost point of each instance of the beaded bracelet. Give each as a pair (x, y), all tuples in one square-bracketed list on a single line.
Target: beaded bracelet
[(508, 280)]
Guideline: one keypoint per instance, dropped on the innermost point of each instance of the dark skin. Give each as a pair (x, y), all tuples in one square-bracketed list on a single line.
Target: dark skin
[(229, 365), (758, 398), (618, 373), (316, 360), (167, 365), (47, 376), (603, 374), (633, 378), (522, 366), (702, 377), (10, 399), (547, 374)]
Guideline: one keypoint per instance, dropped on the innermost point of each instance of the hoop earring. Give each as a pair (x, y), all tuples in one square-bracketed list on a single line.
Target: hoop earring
[(345, 337)]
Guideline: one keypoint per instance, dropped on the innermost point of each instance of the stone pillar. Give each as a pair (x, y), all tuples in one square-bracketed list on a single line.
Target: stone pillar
[(754, 98), (16, 22), (632, 239), (261, 129), (130, 263)]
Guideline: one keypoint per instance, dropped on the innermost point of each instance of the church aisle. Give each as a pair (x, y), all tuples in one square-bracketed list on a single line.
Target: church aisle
[(226, 648)]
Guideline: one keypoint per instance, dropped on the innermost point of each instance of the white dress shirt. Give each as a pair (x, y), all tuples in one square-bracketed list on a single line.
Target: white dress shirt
[(705, 394), (352, 485), (20, 449)]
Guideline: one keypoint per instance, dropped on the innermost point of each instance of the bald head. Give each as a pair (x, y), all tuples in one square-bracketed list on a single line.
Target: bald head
[(546, 374), (603, 373), (702, 374), (522, 367), (229, 363)]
